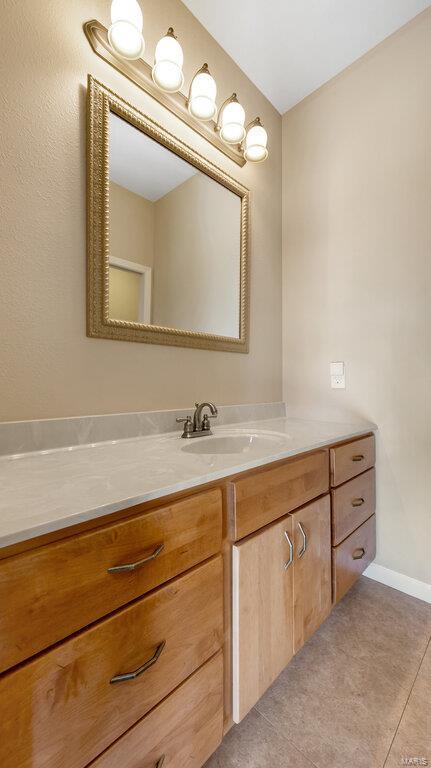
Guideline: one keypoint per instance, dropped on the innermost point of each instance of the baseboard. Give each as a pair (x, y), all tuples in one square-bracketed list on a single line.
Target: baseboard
[(413, 587)]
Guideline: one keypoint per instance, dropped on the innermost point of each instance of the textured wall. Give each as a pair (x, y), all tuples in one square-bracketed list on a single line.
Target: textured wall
[(357, 272), (48, 366)]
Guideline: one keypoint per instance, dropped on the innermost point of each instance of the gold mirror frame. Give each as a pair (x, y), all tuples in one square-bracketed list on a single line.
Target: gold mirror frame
[(102, 101)]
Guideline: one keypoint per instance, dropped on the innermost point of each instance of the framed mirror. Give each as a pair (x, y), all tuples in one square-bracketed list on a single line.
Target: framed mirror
[(167, 235)]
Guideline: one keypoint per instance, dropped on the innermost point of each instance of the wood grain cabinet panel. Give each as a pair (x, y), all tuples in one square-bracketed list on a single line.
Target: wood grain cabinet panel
[(266, 495), (50, 592), (262, 613), (351, 459), (352, 556), (312, 585), (183, 731), (352, 504), (60, 709)]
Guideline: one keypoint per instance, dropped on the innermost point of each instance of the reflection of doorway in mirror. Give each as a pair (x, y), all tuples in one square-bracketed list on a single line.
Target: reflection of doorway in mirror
[(130, 286)]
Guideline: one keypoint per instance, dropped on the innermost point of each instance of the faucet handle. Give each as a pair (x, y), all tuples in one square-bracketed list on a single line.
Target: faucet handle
[(188, 425)]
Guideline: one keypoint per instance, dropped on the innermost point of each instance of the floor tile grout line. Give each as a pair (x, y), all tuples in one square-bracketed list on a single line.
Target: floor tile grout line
[(408, 699), (288, 741)]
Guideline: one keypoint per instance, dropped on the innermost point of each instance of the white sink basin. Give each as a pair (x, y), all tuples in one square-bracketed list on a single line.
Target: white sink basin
[(248, 442)]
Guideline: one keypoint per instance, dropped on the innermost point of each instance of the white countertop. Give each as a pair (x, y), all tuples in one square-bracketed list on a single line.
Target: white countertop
[(50, 490)]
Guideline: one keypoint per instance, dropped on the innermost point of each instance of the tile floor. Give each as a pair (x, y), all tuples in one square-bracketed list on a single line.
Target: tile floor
[(358, 694)]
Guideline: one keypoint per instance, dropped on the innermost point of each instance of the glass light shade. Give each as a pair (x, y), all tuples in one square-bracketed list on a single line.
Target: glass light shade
[(255, 144), (168, 64), (203, 92), (125, 32), (232, 129), (127, 10)]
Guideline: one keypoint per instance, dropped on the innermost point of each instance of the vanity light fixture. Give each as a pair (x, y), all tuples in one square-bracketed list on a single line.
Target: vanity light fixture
[(125, 32), (256, 140), (167, 72), (202, 95), (231, 121)]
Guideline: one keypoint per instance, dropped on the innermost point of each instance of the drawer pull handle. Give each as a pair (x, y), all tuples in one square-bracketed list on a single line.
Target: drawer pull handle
[(358, 502), (140, 670), (134, 566), (361, 553), (304, 538), (290, 560), (359, 457), (160, 762)]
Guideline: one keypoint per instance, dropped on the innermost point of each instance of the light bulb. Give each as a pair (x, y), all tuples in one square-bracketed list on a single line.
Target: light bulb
[(125, 32), (168, 64), (256, 141), (232, 120), (203, 92)]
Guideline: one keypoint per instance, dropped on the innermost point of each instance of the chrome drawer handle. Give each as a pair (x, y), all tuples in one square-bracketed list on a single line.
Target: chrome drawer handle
[(290, 560), (359, 556), (139, 563), (359, 457), (160, 762), (358, 502), (140, 670), (304, 537)]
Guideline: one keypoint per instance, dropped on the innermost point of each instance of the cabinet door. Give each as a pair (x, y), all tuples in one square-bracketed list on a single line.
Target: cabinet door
[(262, 612), (312, 569)]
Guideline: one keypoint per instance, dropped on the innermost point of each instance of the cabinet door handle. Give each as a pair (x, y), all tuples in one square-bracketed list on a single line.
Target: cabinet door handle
[(358, 502), (290, 560), (139, 563), (359, 556), (160, 762), (358, 457), (304, 537), (137, 672)]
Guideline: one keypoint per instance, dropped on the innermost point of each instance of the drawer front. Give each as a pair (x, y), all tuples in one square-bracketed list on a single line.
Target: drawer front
[(351, 557), (265, 496), (63, 708), (351, 459), (352, 504), (181, 732), (49, 593)]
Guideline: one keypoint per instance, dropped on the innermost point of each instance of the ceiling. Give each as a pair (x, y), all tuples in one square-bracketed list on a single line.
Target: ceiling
[(141, 165), (288, 48)]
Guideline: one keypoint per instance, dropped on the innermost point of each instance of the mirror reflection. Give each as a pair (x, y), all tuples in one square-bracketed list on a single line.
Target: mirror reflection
[(175, 239)]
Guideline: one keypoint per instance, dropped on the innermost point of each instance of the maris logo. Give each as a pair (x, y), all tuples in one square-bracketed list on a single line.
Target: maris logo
[(414, 761)]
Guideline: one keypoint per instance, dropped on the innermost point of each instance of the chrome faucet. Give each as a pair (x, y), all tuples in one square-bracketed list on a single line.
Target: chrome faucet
[(198, 426)]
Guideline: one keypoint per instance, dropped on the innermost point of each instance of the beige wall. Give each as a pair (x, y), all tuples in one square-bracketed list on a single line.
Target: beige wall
[(131, 226), (198, 247), (357, 272), (48, 366)]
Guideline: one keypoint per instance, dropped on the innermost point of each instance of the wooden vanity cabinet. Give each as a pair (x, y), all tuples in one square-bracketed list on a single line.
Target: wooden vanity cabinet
[(151, 591), (281, 595)]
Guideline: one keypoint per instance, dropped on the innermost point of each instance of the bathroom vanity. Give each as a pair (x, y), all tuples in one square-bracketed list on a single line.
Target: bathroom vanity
[(138, 635)]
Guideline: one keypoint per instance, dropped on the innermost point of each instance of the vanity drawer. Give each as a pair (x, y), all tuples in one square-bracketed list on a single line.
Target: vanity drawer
[(351, 459), (62, 708), (185, 729), (265, 496), (50, 592), (352, 504), (352, 557)]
